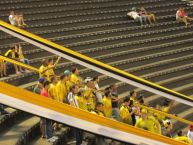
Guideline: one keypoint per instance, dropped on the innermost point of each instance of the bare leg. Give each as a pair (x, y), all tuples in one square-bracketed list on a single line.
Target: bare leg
[(16, 69), (4, 69), (1, 70), (153, 18), (149, 19)]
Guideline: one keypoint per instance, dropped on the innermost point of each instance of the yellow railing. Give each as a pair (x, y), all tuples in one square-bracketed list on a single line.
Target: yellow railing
[(147, 85), (34, 99), (19, 63)]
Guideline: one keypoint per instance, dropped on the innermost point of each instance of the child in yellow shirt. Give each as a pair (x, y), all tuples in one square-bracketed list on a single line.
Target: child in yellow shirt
[(107, 104)]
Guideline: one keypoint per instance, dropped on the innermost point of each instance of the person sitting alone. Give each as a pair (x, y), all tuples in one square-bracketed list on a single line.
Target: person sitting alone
[(16, 20), (182, 16), (135, 15)]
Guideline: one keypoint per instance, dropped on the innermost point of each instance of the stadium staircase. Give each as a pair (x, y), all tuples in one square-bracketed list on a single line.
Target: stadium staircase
[(161, 53)]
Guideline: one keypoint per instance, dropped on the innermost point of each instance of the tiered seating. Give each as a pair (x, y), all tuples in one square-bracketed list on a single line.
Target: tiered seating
[(161, 53)]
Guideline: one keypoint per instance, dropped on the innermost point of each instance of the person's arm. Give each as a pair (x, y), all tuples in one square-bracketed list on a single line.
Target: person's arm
[(56, 61)]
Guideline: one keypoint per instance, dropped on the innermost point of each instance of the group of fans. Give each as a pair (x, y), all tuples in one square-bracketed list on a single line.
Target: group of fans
[(68, 87), (86, 94)]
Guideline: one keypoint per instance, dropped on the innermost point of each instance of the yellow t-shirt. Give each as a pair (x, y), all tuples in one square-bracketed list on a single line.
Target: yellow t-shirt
[(21, 56), (52, 91), (107, 107), (89, 96), (164, 109), (150, 124), (184, 139), (125, 115), (61, 91), (50, 71), (74, 79), (45, 74), (82, 103)]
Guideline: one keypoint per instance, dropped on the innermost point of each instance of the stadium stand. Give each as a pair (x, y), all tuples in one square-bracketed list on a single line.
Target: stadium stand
[(161, 53)]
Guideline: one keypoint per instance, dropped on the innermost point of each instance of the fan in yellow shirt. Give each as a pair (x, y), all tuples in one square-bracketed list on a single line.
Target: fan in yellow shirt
[(149, 123), (82, 102), (52, 91), (61, 88), (167, 105), (99, 109), (74, 78), (182, 138), (125, 115), (47, 68), (107, 104)]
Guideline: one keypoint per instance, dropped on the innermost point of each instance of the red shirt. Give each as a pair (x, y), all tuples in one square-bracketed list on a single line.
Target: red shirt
[(182, 13), (44, 93)]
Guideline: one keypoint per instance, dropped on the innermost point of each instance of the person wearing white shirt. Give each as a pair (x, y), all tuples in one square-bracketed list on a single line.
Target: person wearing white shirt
[(71, 96), (16, 20), (190, 133), (135, 15)]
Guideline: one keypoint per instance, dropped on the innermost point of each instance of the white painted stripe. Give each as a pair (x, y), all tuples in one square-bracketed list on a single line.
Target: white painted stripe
[(76, 122), (133, 83)]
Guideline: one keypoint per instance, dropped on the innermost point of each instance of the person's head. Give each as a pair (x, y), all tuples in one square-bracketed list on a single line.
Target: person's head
[(14, 48), (74, 89), (64, 77), (75, 71), (179, 133), (108, 94), (141, 100), (46, 85), (12, 13), (144, 114), (166, 102), (45, 62), (191, 127), (131, 104), (50, 61), (67, 73), (96, 79), (126, 101), (142, 8), (81, 92), (41, 82), (158, 107), (99, 107), (133, 94), (54, 80), (113, 87)]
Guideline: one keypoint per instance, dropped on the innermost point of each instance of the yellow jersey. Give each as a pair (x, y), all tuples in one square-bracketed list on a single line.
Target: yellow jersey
[(107, 105), (74, 79), (52, 91), (50, 71), (82, 102), (45, 74), (151, 124), (183, 139), (125, 115), (61, 91), (90, 97)]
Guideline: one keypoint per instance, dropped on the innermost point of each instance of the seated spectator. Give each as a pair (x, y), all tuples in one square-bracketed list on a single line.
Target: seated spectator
[(125, 113), (150, 16), (12, 53), (107, 104), (148, 122), (183, 138), (3, 68), (133, 96), (182, 16), (167, 105), (21, 55), (190, 133), (16, 20), (135, 15)]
